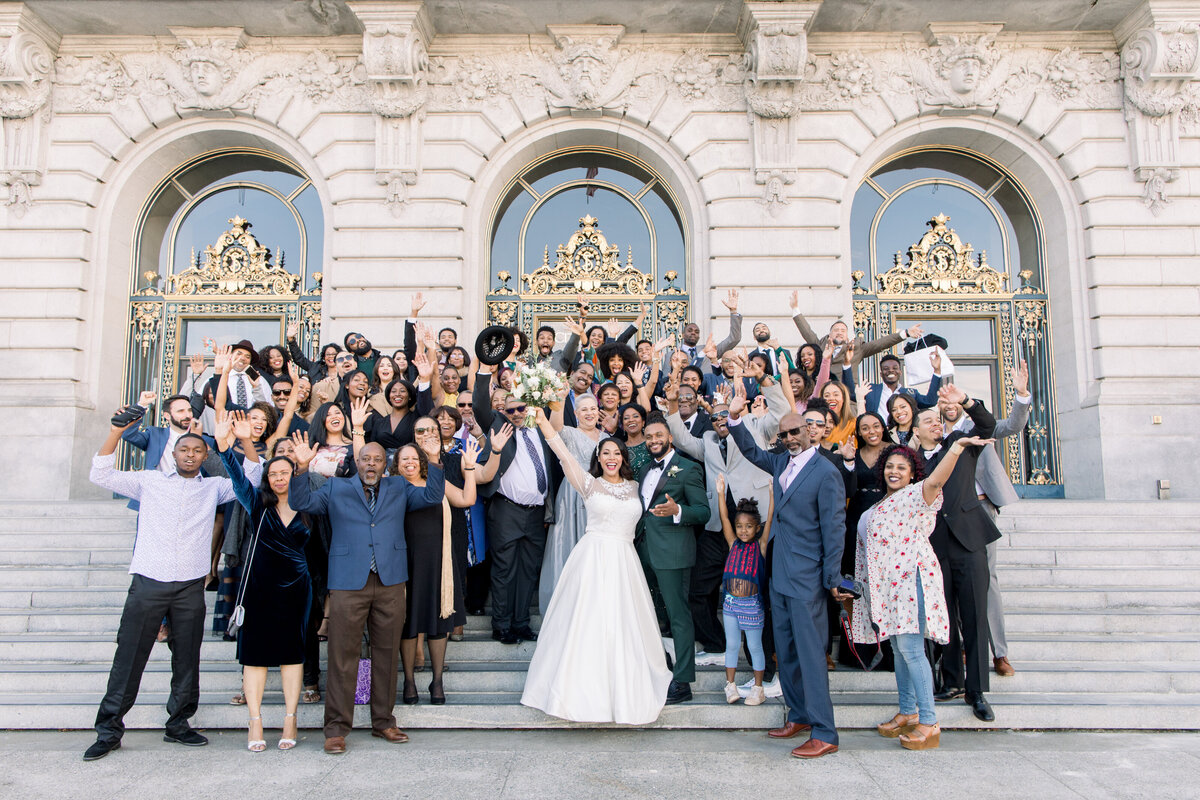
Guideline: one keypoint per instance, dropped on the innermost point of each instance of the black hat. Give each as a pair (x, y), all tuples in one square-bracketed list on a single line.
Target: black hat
[(245, 344), (494, 344)]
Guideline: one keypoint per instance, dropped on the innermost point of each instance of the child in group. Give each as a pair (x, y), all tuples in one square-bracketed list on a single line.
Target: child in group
[(742, 608)]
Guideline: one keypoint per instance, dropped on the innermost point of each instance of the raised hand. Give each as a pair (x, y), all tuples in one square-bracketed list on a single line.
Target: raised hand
[(671, 389), (848, 448), (418, 302), (759, 407), (720, 485), (146, 398), (1020, 378), (710, 348), (731, 301), (613, 326), (773, 343), (241, 426), (224, 431), (196, 362), (501, 437), (794, 302), (196, 427), (860, 392), (293, 373), (608, 421), (935, 360), (827, 350), (575, 327), (359, 411), (663, 344), (952, 394), (303, 454), (737, 405), (848, 354), (667, 509), (583, 307), (754, 369), (221, 358), (293, 330), (915, 331), (976, 441), (639, 374), (424, 367), (470, 452)]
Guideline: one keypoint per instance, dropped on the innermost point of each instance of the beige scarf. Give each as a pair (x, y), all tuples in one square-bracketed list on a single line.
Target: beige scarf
[(447, 599)]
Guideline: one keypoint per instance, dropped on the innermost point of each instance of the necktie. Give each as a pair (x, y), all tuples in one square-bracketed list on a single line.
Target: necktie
[(370, 490), (789, 475), (724, 450), (243, 398), (691, 351), (537, 462)]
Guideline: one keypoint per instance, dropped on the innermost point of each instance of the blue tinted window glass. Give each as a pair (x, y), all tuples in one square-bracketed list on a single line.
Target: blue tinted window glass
[(906, 220), (559, 216), (272, 224)]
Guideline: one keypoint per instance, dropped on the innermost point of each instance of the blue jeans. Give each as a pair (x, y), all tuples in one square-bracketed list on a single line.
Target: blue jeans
[(914, 676), (733, 643)]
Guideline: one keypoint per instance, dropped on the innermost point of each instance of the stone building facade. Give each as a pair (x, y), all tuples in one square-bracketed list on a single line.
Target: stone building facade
[(862, 156)]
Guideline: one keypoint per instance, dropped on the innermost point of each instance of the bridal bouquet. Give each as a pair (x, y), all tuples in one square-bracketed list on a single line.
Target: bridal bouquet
[(536, 385)]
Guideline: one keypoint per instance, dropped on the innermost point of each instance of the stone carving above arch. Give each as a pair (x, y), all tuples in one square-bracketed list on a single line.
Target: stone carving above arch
[(27, 48)]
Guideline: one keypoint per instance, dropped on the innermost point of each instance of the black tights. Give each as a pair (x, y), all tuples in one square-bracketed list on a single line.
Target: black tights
[(437, 656)]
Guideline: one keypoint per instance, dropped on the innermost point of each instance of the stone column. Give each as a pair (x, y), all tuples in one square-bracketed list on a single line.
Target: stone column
[(27, 51)]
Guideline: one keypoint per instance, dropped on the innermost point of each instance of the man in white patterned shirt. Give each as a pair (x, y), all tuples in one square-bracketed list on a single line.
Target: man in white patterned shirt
[(171, 558)]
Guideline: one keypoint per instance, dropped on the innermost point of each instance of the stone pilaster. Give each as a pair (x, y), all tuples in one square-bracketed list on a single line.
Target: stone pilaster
[(27, 51)]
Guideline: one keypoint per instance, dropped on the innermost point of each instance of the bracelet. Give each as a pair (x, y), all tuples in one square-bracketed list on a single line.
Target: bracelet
[(494, 450), (357, 433), (468, 469)]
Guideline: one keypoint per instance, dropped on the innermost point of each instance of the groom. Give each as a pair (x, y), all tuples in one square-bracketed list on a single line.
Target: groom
[(674, 507)]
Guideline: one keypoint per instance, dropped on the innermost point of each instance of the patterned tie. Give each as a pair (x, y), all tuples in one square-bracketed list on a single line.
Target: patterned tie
[(537, 462), (370, 490), (243, 398)]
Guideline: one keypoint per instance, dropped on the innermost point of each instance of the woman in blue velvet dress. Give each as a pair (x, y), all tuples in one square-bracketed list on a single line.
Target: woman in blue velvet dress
[(278, 590)]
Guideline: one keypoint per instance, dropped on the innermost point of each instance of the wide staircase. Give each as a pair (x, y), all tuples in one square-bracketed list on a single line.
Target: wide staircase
[(1102, 602)]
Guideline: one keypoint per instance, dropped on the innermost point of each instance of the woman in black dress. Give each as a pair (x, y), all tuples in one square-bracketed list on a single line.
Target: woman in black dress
[(278, 590), (435, 599)]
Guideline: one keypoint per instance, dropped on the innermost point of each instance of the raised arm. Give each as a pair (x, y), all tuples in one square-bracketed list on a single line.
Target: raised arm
[(723, 510), (293, 345), (104, 466), (465, 497), (685, 442), (1019, 416), (985, 423), (289, 410), (745, 441), (301, 497), (495, 443), (481, 397), (434, 490), (801, 323), (572, 470), (735, 324), (934, 482), (767, 521)]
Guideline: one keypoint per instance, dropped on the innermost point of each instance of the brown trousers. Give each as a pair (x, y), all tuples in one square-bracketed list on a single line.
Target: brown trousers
[(381, 608)]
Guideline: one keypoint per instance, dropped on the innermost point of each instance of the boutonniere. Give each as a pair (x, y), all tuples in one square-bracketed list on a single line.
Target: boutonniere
[(673, 471)]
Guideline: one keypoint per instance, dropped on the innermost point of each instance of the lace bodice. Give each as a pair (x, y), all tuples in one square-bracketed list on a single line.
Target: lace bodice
[(613, 509)]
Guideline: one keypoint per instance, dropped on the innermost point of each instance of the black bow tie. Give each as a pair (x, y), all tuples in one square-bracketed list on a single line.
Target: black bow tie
[(659, 464)]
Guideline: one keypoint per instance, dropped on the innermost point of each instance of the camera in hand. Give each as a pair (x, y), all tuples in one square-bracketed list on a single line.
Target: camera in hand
[(851, 587)]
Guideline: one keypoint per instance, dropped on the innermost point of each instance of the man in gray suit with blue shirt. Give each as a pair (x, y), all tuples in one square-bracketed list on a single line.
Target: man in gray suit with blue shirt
[(808, 532)]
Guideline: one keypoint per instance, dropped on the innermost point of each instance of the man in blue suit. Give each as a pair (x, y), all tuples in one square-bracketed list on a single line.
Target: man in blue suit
[(807, 535), (368, 567), (159, 443), (891, 370)]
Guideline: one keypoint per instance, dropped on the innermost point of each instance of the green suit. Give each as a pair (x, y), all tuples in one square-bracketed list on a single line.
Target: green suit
[(668, 549)]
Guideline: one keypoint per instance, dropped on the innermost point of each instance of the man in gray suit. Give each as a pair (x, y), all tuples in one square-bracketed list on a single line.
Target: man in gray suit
[(995, 491), (744, 479)]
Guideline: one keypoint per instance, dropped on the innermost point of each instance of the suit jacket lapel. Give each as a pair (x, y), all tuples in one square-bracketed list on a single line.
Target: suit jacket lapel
[(805, 471)]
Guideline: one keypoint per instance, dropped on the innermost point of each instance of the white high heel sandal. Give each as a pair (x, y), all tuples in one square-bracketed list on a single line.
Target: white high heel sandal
[(288, 744), (256, 745)]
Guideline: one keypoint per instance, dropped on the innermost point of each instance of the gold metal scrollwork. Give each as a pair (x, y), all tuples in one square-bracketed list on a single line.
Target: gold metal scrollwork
[(941, 264), (147, 316), (587, 263), (502, 313), (236, 264), (1032, 315), (864, 315)]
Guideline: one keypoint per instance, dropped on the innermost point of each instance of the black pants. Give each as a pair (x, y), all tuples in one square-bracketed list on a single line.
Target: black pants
[(965, 579), (704, 592), (146, 604), (479, 579), (517, 540), (312, 646)]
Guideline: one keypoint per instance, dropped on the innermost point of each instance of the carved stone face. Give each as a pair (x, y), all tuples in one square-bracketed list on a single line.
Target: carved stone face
[(965, 74), (206, 78)]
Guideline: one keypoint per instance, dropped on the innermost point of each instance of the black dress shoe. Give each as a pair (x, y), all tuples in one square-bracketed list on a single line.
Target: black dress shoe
[(410, 696), (100, 749), (981, 707), (189, 738), (437, 694), (498, 634), (525, 634), (678, 692), (505, 636), (949, 693)]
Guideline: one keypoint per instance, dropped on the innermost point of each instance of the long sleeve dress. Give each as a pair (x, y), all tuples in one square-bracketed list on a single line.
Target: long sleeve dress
[(278, 589), (570, 517)]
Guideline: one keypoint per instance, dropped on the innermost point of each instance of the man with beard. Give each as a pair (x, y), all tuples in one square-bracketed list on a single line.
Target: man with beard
[(674, 505), (580, 383), (808, 533), (839, 334), (560, 360), (171, 557), (689, 343), (326, 390), (891, 370), (769, 349), (366, 355), (368, 569), (158, 442)]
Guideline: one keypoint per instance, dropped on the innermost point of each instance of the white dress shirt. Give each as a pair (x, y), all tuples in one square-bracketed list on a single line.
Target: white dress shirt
[(519, 481), (797, 463), (175, 522), (166, 463), (651, 483)]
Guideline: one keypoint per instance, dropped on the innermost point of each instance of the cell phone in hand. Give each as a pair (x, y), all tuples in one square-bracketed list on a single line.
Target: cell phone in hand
[(126, 415)]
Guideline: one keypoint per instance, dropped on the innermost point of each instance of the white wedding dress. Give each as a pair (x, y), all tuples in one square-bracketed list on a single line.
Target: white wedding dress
[(599, 655)]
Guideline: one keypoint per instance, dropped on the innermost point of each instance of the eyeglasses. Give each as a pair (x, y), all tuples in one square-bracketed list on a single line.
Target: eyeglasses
[(790, 432), (515, 409), (342, 359), (281, 392), (721, 415), (420, 431), (464, 405), (812, 422)]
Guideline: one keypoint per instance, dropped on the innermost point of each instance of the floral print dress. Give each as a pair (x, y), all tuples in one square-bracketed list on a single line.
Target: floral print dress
[(893, 553)]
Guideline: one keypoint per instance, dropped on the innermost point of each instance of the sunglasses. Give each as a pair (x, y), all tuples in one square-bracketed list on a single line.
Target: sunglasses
[(342, 359), (515, 409), (790, 432), (420, 431), (281, 392), (463, 405), (721, 415), (814, 422)]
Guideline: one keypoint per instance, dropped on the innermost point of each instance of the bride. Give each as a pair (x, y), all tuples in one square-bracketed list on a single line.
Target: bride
[(599, 656)]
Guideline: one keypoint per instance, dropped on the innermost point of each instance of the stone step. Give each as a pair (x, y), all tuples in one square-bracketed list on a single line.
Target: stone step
[(708, 710), (112, 557), (20, 577), (124, 522), (1099, 576), (1088, 556), (1116, 596)]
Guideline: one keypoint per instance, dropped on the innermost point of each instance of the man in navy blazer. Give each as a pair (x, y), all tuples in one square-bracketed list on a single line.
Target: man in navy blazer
[(368, 567), (159, 443), (807, 534), (891, 370)]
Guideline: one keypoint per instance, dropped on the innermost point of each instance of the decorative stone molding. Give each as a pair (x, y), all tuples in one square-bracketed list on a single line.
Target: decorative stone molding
[(396, 63), (1160, 67), (27, 47), (776, 38)]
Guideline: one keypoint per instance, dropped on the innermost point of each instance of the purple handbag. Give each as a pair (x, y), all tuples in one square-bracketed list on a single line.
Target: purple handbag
[(362, 688)]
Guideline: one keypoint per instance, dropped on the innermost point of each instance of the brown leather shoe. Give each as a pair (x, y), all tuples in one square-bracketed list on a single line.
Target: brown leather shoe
[(829, 665), (789, 730), (393, 735), (1003, 668), (335, 745), (814, 748)]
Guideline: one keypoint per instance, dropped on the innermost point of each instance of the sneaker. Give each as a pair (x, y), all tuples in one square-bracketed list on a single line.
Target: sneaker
[(744, 689), (705, 659), (731, 692), (770, 689), (757, 696)]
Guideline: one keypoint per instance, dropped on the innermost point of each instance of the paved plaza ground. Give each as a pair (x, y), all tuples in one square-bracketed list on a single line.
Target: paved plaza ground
[(607, 764)]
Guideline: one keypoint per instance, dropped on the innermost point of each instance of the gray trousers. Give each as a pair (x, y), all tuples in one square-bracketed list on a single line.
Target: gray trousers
[(995, 613)]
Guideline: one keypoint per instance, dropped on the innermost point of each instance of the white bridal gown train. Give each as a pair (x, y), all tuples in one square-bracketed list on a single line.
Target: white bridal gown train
[(599, 655)]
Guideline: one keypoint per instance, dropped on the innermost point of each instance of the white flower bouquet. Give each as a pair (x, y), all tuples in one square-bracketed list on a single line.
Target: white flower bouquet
[(536, 385)]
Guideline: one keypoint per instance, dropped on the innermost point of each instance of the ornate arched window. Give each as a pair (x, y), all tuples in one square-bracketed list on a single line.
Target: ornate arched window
[(590, 221), (227, 247), (950, 239)]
